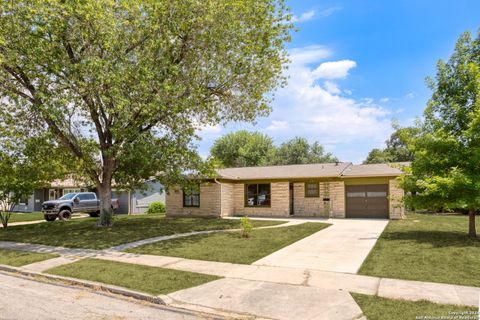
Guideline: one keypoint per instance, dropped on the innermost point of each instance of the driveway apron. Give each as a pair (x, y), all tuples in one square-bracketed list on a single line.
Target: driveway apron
[(342, 247)]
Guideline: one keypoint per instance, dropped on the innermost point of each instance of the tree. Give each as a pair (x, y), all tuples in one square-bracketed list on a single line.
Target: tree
[(299, 151), (397, 147), (242, 149), (122, 86), (445, 171), (23, 169)]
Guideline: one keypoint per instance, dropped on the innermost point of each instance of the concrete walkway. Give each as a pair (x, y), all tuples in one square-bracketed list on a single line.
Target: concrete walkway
[(342, 247), (388, 288)]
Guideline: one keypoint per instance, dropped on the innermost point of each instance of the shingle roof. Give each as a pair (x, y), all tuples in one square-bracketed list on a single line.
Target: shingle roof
[(288, 171), (375, 170)]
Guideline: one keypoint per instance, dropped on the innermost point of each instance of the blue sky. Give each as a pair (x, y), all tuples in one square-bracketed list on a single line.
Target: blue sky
[(356, 66)]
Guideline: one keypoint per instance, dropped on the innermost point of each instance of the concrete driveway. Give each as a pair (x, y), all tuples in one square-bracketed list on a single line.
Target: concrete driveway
[(342, 247)]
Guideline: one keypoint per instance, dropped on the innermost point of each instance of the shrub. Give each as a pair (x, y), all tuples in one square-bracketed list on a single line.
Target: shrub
[(247, 227), (156, 207)]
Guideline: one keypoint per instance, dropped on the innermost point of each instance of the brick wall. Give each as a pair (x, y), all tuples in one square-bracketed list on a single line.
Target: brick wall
[(337, 198), (396, 194), (280, 201), (227, 208), (311, 206), (210, 194)]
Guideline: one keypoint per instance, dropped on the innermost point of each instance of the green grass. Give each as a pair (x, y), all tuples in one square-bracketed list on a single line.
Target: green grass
[(82, 233), (426, 248), (20, 258), (146, 279), (377, 308), (22, 217), (230, 246)]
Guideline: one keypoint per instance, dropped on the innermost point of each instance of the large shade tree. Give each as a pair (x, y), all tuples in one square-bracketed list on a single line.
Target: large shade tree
[(299, 151), (242, 149), (446, 168), (123, 86)]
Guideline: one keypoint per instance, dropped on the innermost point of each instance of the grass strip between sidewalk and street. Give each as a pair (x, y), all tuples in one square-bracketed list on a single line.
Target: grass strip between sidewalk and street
[(16, 258), (426, 247), (230, 246), (378, 308), (140, 278), (83, 233)]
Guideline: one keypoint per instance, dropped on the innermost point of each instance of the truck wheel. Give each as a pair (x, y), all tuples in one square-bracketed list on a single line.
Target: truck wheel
[(50, 218), (94, 214), (65, 215)]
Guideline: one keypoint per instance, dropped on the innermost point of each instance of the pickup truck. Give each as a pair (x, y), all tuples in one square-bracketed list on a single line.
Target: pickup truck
[(63, 207)]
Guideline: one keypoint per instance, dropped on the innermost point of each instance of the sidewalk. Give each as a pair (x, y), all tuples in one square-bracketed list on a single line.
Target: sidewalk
[(388, 288)]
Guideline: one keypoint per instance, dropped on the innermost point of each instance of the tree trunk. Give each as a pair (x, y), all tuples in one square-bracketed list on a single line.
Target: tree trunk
[(472, 231), (106, 212)]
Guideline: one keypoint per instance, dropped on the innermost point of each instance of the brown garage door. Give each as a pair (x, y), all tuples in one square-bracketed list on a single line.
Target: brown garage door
[(367, 201)]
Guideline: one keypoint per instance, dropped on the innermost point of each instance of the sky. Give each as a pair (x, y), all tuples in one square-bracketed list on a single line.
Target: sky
[(356, 66)]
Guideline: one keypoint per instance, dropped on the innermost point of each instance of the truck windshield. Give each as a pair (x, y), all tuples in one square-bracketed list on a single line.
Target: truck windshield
[(68, 196)]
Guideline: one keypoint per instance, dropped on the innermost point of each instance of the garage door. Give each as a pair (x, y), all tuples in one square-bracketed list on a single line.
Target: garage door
[(367, 201)]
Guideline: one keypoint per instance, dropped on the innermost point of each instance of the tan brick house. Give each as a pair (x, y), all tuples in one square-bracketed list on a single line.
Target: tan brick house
[(336, 190)]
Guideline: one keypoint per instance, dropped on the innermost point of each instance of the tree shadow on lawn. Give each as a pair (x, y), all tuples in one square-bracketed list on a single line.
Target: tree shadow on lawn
[(437, 239)]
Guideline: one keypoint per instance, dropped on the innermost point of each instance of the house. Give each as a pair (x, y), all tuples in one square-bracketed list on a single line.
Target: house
[(337, 190), (130, 202)]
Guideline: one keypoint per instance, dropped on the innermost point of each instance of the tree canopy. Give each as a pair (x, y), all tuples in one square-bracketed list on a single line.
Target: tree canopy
[(445, 171), (244, 148), (397, 147), (299, 151), (123, 86)]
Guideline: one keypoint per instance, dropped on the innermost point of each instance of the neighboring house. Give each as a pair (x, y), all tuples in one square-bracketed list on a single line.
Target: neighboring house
[(137, 201), (338, 190), (129, 202)]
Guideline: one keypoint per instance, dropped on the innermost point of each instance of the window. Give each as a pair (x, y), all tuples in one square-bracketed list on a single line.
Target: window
[(257, 195), (312, 189), (356, 194), (67, 191), (191, 196), (376, 194), (86, 196)]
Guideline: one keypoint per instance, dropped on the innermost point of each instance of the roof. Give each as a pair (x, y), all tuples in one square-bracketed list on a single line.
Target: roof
[(317, 170), (375, 170), (288, 171)]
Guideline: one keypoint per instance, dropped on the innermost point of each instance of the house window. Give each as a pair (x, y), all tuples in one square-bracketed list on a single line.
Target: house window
[(312, 189), (191, 196), (67, 191), (257, 195)]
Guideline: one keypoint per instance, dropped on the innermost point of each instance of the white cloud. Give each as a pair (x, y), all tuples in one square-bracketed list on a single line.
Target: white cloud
[(332, 87), (278, 125), (384, 100), (334, 69), (303, 17), (410, 95), (320, 111), (329, 11), (210, 129), (309, 54)]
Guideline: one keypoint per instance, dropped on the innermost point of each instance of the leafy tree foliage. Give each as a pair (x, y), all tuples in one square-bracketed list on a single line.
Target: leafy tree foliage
[(242, 149), (299, 151), (122, 86), (397, 147), (445, 171)]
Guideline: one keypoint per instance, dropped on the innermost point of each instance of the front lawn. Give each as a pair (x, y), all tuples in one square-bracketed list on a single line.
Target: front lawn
[(20, 258), (82, 233), (426, 248), (146, 279), (230, 246), (377, 308), (21, 217)]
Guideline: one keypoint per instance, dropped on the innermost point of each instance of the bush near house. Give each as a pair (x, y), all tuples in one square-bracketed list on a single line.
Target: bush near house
[(156, 207)]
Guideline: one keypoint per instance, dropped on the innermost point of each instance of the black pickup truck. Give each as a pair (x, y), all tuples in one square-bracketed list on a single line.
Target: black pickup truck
[(62, 208)]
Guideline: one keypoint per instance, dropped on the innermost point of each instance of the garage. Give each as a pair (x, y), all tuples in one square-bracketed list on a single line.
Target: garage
[(367, 201)]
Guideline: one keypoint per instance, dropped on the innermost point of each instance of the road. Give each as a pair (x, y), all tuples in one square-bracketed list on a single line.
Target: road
[(27, 299)]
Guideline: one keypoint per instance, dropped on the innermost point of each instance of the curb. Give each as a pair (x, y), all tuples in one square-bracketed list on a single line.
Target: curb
[(97, 286)]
